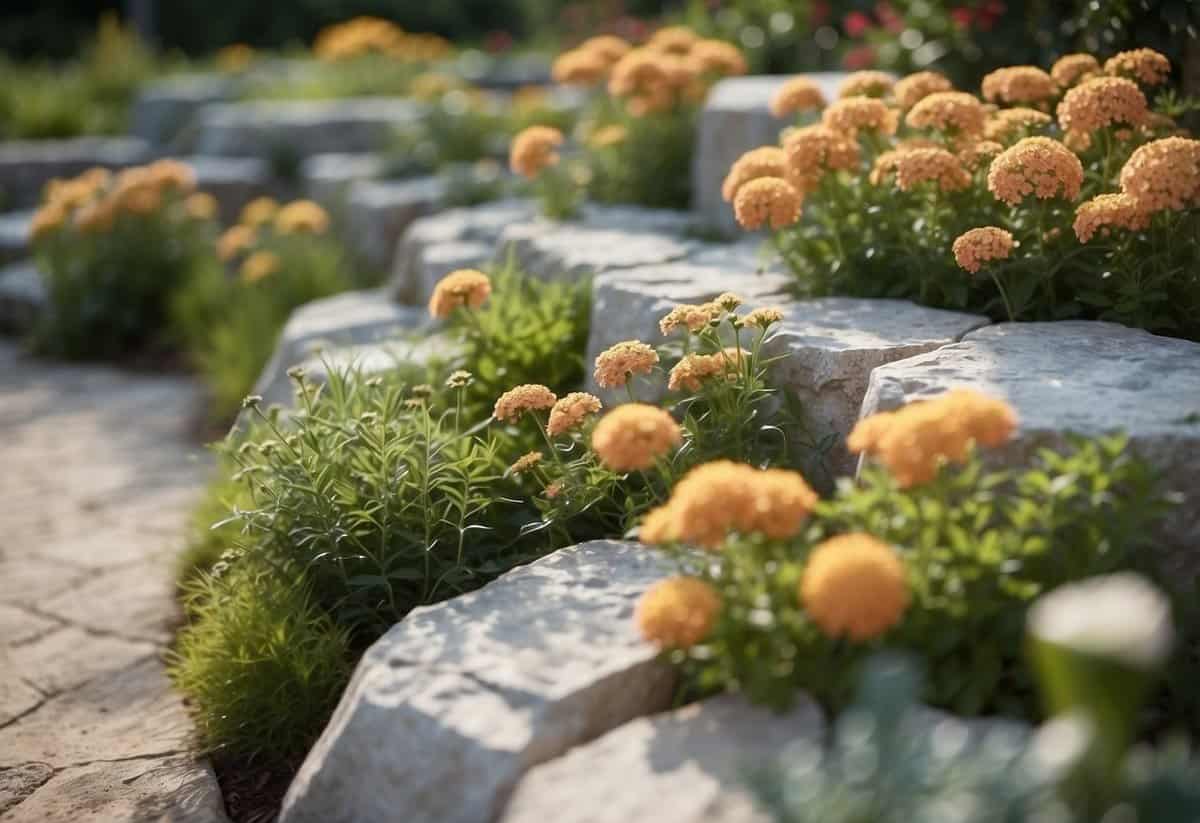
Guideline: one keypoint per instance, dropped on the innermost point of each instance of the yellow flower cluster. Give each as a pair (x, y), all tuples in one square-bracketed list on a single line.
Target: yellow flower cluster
[(521, 399), (526, 463), (688, 316), (1163, 174), (1144, 65), (931, 165), (693, 369), (718, 57), (533, 149), (866, 84), (1039, 166), (763, 318), (854, 586), (973, 248), (301, 217), (813, 150), (678, 613), (580, 67), (259, 212), (914, 88), (234, 241), (1073, 68), (916, 440), (462, 288), (952, 112), (632, 436), (571, 411), (616, 364), (201, 205), (372, 35), (722, 496), (767, 200), (767, 161), (1101, 102), (1019, 84), (1105, 212), (854, 114), (260, 265), (799, 94)]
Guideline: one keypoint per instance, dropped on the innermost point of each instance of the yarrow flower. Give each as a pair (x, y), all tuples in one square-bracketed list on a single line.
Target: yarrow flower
[(1108, 211), (813, 150), (302, 217), (640, 72), (931, 165), (718, 57), (763, 317), (259, 265), (521, 399), (979, 155), (259, 211), (722, 496), (615, 365), (1039, 166), (687, 316), (580, 67), (767, 161), (570, 412), (974, 248), (200, 206), (1002, 125), (461, 288), (770, 200), (1144, 65), (1101, 102), (1163, 174), (678, 613), (914, 88), (171, 175), (234, 241), (796, 95), (526, 463), (866, 84), (677, 40), (47, 219), (954, 112), (608, 46), (853, 114), (604, 137), (459, 379), (914, 441), (533, 149), (1019, 84), (632, 436), (693, 369), (854, 586), (1072, 68)]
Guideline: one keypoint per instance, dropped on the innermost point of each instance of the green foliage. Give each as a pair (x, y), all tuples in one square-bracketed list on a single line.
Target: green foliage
[(263, 665), (459, 126), (369, 75), (209, 533), (652, 165)]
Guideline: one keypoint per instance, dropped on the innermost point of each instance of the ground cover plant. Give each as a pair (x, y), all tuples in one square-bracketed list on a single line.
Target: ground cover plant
[(1059, 194), (112, 249)]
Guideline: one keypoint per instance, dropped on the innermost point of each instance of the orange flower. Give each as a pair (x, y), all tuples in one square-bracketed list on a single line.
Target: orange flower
[(854, 586), (916, 87), (234, 241), (677, 40), (1144, 65), (770, 200), (533, 149), (764, 317), (717, 57), (813, 150), (678, 613), (1101, 102), (796, 95), (852, 114), (608, 46), (931, 165), (259, 265), (1072, 68), (632, 436), (521, 399), (172, 175), (693, 369), (974, 248), (615, 364), (640, 72), (200, 206), (301, 217), (1163, 174), (579, 67), (258, 211), (866, 84), (47, 219), (462, 288), (1108, 211), (689, 316), (570, 412), (1039, 166), (767, 161), (954, 112), (1005, 123), (526, 463), (979, 155), (1019, 84)]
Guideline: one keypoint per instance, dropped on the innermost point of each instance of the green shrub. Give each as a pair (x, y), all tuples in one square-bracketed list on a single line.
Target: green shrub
[(263, 665), (209, 533), (651, 165)]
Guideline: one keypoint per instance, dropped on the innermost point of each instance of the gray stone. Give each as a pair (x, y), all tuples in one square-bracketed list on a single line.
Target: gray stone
[(1082, 377), (455, 703), (684, 766), (164, 111), (508, 72), (736, 118), (27, 165), (378, 212), (571, 251), (14, 235), (440, 259), (234, 181), (299, 129), (328, 177), (22, 296)]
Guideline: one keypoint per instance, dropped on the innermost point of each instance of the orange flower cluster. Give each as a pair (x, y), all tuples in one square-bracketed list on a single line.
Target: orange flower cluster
[(1005, 123), (1144, 65), (533, 149), (260, 265), (589, 63), (853, 114), (674, 66), (616, 364), (979, 155), (678, 613), (526, 463), (259, 212), (931, 165), (763, 318), (1019, 84), (1039, 166), (632, 436), (866, 84), (569, 412), (720, 497), (461, 288), (767, 200), (372, 35), (1105, 212), (521, 399), (1101, 102), (234, 241), (693, 369), (854, 586), (688, 316), (201, 205), (1073, 68), (1163, 174), (953, 112), (302, 217), (813, 150), (915, 441), (799, 94), (914, 88), (973, 248), (767, 161)]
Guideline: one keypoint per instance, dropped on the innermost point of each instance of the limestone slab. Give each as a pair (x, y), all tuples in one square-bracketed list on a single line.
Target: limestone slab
[(684, 766), (22, 296), (455, 703), (164, 110), (439, 259), (378, 212), (326, 178), (27, 165), (233, 181), (14, 235), (1083, 377)]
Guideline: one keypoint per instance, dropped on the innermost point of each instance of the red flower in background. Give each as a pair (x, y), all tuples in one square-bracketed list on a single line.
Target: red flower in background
[(821, 12), (498, 41), (961, 17), (859, 57), (856, 23), (889, 18)]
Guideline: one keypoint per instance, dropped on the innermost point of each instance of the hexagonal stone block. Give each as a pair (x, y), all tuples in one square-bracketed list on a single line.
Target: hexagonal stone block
[(1082, 377), (27, 165), (684, 766), (451, 707)]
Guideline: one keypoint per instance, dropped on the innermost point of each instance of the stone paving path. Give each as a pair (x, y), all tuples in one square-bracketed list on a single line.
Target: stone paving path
[(97, 473)]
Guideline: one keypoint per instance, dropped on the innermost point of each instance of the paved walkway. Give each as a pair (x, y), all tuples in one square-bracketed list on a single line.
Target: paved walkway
[(97, 474)]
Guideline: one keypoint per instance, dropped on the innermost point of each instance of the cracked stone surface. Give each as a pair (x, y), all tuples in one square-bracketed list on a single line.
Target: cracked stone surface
[(98, 479), (27, 165), (474, 692)]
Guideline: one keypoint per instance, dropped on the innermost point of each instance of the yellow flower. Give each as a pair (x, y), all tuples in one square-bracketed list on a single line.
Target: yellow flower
[(718, 57), (693, 369), (607, 136), (640, 72), (678, 613), (1163, 174), (521, 399), (259, 211), (687, 316), (301, 217), (234, 58), (617, 363), (1144, 65), (764, 317), (954, 112), (931, 165), (47, 219), (580, 67), (96, 217), (853, 114), (431, 85), (656, 526), (1019, 84), (570, 412), (526, 462), (259, 265), (610, 47), (673, 40), (854, 586), (767, 161), (1072, 68), (1039, 166), (916, 87), (631, 437), (172, 175), (234, 241), (142, 199), (770, 200), (796, 95), (461, 288), (866, 84), (1100, 102), (975, 247), (534, 149), (200, 206)]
